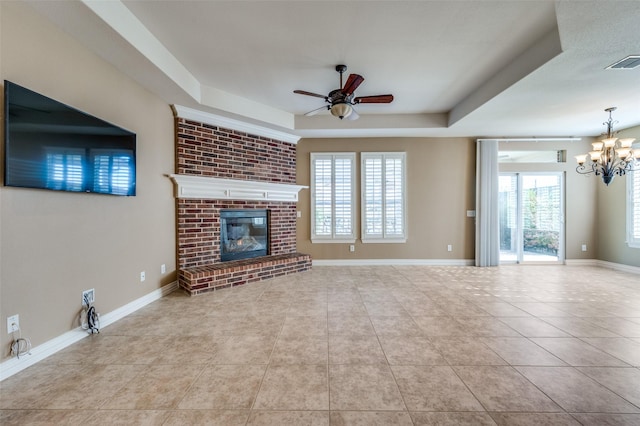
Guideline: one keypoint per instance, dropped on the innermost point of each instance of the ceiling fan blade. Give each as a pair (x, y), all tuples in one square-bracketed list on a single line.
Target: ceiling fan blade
[(375, 99), (353, 116), (352, 84), (317, 110), (304, 92)]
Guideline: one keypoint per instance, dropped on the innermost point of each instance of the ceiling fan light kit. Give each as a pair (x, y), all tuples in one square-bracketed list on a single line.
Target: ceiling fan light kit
[(341, 100), (341, 110)]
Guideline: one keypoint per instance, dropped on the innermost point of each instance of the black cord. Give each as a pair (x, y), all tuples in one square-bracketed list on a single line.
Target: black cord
[(92, 320)]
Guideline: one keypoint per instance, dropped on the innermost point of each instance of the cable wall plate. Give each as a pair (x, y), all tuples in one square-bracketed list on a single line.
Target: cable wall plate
[(13, 323)]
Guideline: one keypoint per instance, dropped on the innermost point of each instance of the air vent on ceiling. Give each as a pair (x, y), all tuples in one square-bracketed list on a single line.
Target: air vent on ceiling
[(628, 63)]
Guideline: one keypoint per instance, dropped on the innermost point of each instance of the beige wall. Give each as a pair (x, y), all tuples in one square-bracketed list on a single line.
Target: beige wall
[(440, 188), (580, 193), (612, 202), (55, 244)]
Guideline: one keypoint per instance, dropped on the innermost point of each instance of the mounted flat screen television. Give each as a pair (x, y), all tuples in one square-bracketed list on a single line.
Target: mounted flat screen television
[(50, 145)]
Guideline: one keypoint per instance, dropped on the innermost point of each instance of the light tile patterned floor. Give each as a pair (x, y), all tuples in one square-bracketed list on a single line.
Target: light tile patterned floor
[(379, 345)]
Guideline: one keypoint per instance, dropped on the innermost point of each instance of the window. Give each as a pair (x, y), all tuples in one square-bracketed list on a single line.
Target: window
[(540, 156), (113, 171), (633, 206), (109, 171), (64, 169), (332, 197), (383, 197)]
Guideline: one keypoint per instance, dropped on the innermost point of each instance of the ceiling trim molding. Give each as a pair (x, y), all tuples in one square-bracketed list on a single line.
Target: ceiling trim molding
[(115, 14), (230, 123), (560, 139)]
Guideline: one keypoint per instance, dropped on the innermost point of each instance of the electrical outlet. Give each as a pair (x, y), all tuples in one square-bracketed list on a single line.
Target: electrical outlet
[(584, 247), (352, 248), (88, 296), (142, 276), (13, 323), (163, 268), (449, 247), (299, 213)]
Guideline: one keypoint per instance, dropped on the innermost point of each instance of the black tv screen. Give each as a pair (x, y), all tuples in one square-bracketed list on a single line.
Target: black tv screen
[(50, 145)]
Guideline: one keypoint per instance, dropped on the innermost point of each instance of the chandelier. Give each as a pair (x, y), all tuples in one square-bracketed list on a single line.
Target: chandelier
[(610, 157)]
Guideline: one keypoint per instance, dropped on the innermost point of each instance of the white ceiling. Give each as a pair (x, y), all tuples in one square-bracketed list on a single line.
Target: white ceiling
[(456, 68)]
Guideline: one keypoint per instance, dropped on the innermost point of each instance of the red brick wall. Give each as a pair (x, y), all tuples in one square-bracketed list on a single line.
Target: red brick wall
[(199, 229), (205, 150)]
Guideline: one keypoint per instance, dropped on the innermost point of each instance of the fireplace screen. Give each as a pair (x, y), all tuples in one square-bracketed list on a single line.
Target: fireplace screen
[(243, 234)]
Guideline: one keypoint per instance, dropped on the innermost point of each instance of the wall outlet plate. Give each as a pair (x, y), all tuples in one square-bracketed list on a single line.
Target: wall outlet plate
[(13, 323), (88, 296), (143, 276)]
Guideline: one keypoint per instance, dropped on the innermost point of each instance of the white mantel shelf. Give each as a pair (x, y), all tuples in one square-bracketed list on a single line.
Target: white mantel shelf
[(201, 187)]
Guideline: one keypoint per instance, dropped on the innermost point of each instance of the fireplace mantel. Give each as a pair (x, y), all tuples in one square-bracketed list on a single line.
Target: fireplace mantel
[(201, 187)]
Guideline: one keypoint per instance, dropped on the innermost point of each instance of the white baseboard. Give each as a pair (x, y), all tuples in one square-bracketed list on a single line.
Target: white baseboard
[(619, 267), (393, 262), (603, 264), (141, 302), (461, 262), (14, 365), (581, 262)]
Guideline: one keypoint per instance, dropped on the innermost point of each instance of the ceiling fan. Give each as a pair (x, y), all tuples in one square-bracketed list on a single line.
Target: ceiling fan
[(341, 100)]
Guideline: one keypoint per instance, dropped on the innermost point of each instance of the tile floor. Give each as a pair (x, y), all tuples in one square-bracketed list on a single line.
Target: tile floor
[(515, 345)]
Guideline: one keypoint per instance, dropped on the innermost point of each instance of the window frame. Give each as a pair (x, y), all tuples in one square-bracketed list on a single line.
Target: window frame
[(633, 203), (334, 237), (384, 237)]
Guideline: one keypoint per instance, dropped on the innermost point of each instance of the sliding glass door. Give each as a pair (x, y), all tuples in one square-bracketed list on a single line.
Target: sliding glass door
[(531, 214)]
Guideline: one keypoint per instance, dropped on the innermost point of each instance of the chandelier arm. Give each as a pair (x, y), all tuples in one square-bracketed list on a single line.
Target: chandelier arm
[(583, 169), (624, 165)]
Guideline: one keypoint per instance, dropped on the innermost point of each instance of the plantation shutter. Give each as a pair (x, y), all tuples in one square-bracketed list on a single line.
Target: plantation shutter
[(372, 197), (383, 197), (64, 170), (332, 192)]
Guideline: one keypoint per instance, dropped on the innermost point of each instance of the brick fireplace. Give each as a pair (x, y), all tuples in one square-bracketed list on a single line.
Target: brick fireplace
[(219, 167)]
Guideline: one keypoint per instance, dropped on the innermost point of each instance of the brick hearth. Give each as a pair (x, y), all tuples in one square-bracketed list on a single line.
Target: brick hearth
[(207, 150), (217, 276)]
